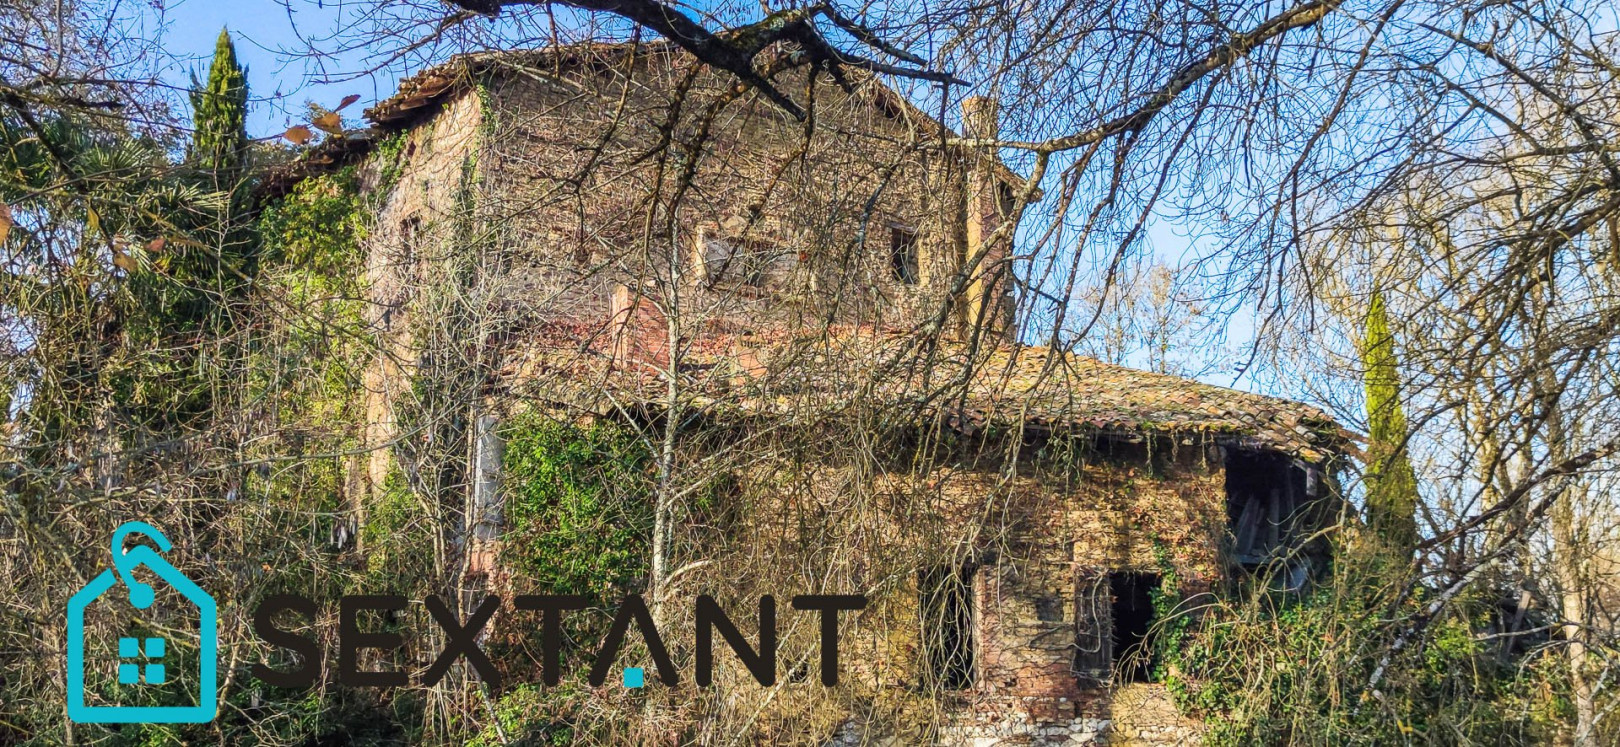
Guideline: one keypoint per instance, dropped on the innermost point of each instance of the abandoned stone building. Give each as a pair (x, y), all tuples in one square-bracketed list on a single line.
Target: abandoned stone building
[(609, 231)]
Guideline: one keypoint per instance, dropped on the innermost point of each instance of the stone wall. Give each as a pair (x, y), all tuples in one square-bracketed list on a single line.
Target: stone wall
[(553, 187), (550, 182), (1035, 590), (583, 196), (406, 242), (1032, 538), (554, 178)]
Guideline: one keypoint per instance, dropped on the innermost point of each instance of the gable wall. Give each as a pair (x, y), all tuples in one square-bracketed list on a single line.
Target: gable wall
[(570, 178), (404, 249)]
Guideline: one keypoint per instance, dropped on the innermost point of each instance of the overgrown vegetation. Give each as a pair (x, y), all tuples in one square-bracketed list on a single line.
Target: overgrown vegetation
[(577, 496), (1267, 667), (1418, 203)]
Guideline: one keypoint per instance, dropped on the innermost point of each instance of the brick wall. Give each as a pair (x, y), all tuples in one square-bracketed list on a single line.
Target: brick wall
[(583, 208), (404, 247), (578, 242), (1030, 539)]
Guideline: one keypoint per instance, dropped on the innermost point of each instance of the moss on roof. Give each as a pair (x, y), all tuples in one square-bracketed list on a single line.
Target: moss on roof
[(823, 376)]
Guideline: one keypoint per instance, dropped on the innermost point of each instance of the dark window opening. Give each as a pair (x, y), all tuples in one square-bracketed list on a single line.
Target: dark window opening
[(947, 620), (903, 254), (1048, 609), (1005, 198), (410, 232), (1265, 498), (1113, 624), (1093, 628), (1133, 623)]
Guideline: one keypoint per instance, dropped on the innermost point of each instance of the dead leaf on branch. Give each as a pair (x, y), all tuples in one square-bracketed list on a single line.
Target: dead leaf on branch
[(347, 100), (123, 261), (298, 135), (330, 122)]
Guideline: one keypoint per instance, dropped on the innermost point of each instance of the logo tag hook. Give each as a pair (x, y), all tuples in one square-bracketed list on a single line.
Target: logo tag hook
[(124, 563)]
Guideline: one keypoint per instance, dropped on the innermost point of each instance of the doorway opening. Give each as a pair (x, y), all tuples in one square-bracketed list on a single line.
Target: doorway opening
[(947, 635), (1132, 624)]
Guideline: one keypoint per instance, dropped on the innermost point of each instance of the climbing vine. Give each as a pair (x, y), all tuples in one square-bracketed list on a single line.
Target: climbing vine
[(579, 515), (306, 359)]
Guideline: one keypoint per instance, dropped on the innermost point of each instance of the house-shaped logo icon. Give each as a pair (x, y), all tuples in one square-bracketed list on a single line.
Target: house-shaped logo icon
[(141, 659)]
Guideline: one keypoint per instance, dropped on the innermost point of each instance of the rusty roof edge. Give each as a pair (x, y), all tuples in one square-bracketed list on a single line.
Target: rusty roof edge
[(1322, 446), (400, 109), (1329, 442), (1152, 402), (1319, 454)]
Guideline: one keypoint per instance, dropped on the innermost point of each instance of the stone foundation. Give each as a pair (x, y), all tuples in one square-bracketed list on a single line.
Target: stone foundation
[(1018, 729)]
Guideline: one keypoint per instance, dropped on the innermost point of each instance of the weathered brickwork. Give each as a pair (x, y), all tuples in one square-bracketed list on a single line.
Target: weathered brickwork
[(587, 233), (550, 171), (585, 209), (402, 249), (1033, 541)]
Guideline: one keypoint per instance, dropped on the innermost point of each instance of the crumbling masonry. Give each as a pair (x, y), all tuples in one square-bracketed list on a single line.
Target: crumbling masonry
[(1035, 500)]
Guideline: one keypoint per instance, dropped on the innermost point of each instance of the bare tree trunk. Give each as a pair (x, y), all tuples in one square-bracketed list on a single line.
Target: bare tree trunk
[(666, 470), (664, 506), (1573, 594), (1568, 552)]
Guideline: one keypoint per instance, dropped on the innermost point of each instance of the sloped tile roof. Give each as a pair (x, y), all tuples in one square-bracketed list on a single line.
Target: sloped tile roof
[(424, 90), (422, 93), (969, 390)]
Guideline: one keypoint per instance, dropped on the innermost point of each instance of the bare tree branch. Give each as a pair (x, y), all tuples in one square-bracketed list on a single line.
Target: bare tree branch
[(734, 50)]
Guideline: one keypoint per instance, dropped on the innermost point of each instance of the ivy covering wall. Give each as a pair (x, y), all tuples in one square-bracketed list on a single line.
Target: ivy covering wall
[(579, 521)]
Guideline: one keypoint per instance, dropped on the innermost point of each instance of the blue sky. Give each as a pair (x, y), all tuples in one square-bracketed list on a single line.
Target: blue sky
[(271, 39), (276, 38)]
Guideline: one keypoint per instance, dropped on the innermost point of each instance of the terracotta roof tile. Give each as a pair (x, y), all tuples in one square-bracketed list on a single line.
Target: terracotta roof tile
[(820, 377), (421, 93)]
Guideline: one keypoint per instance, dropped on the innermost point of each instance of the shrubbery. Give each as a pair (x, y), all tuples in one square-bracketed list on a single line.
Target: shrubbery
[(578, 506), (1266, 667)]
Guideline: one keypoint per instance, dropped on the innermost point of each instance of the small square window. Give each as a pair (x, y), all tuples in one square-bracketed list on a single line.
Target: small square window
[(903, 254), (1005, 198), (1049, 609)]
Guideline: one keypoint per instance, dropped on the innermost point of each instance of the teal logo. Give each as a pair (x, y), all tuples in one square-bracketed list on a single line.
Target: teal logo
[(142, 661)]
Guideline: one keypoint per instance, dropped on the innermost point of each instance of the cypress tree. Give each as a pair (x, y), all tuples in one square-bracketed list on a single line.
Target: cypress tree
[(219, 154), (182, 300), (219, 114), (1392, 495)]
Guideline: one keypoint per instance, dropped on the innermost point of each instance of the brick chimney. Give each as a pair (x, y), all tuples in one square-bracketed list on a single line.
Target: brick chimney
[(988, 299), (639, 336)]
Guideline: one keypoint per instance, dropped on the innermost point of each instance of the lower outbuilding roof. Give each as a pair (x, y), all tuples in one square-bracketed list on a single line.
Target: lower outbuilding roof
[(966, 387)]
